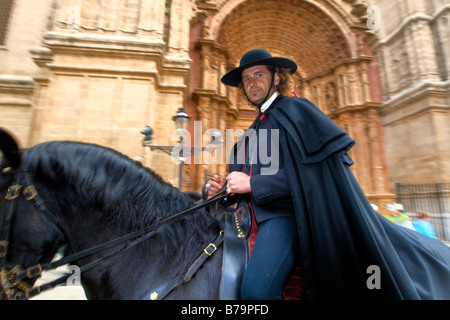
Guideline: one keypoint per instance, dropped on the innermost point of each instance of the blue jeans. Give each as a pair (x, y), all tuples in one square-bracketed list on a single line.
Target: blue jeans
[(272, 261)]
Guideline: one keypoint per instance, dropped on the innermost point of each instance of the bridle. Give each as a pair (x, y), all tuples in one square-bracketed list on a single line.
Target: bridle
[(13, 278)]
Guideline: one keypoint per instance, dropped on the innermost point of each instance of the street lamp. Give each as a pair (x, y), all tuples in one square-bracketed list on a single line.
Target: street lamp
[(181, 120)]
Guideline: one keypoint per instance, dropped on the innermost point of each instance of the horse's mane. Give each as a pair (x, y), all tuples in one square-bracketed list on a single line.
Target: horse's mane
[(119, 187), (101, 194)]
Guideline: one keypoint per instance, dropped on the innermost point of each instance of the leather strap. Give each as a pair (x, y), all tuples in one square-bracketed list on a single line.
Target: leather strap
[(235, 257), (163, 290), (31, 195)]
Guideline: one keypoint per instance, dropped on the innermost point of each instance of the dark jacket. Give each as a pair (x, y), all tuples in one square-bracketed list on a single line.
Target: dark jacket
[(270, 196)]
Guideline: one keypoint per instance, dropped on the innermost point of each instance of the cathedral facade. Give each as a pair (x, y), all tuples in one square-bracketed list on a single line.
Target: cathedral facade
[(99, 71)]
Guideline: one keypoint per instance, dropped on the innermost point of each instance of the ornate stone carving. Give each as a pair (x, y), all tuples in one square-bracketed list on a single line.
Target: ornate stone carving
[(331, 96)]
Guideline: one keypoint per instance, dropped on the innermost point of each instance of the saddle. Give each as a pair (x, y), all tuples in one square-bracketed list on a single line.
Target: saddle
[(240, 235), (238, 225)]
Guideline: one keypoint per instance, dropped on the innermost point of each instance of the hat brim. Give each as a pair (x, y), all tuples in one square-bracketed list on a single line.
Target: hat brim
[(233, 78)]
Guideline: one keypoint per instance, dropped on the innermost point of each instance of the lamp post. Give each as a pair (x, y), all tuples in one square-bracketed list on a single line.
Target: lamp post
[(181, 120)]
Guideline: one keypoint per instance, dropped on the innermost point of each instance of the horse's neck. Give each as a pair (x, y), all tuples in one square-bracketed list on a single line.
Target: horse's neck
[(131, 274), (127, 275)]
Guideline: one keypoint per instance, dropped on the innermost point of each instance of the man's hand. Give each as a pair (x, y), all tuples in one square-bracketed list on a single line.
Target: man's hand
[(238, 182), (213, 186)]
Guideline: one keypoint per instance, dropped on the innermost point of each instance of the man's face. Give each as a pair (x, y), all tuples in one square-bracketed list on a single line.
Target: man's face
[(256, 81)]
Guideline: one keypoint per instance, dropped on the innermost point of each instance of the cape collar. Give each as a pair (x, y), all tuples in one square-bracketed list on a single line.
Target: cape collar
[(267, 104)]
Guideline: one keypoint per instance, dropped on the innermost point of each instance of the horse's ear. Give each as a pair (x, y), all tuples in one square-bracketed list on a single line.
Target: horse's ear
[(9, 148)]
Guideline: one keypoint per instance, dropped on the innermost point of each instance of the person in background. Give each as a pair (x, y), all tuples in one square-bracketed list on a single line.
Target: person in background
[(375, 207), (423, 225), (397, 215)]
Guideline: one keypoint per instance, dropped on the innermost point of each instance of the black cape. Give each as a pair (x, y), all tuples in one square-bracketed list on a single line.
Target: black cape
[(344, 244)]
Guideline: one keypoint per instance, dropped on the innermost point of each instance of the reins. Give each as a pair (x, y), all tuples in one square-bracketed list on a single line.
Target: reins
[(15, 276), (140, 235)]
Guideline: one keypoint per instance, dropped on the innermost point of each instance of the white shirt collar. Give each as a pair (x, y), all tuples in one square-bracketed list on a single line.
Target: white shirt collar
[(267, 104)]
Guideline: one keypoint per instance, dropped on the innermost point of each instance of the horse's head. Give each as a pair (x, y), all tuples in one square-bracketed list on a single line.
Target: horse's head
[(28, 236), (93, 197)]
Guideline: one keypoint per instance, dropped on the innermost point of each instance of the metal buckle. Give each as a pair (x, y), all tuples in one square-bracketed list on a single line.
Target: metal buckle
[(154, 296), (34, 271), (13, 192), (12, 283), (29, 192), (206, 250), (6, 170), (3, 248)]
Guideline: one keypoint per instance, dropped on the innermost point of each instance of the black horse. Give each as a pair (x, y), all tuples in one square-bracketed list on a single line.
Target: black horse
[(93, 195)]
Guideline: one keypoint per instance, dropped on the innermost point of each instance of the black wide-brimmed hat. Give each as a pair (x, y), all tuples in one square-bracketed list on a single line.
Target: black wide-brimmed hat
[(253, 58)]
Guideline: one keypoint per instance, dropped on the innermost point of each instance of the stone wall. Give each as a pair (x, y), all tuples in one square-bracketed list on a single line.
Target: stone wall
[(100, 71), (414, 53), (97, 72)]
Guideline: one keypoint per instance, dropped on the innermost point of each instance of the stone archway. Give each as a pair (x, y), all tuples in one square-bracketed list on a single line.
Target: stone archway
[(337, 71)]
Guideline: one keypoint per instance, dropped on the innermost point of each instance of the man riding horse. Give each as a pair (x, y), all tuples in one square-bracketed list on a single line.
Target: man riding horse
[(312, 206)]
